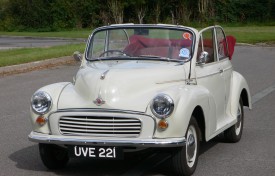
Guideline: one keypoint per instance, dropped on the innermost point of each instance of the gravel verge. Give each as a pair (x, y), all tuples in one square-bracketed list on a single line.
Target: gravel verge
[(38, 65)]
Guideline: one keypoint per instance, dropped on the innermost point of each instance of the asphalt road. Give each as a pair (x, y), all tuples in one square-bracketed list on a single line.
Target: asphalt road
[(23, 42), (254, 155)]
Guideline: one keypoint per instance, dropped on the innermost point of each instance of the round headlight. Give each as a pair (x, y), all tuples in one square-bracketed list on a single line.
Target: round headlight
[(41, 102), (162, 106)]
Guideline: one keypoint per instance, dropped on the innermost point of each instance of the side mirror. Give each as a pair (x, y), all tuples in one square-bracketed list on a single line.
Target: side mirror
[(77, 56), (203, 57)]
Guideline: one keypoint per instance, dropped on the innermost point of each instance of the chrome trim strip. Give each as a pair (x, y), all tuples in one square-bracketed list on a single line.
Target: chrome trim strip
[(212, 74), (54, 139), (101, 110), (172, 81), (228, 68)]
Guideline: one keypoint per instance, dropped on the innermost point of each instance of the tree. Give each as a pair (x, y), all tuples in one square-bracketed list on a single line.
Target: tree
[(203, 8), (141, 11), (157, 12), (117, 10), (48, 15)]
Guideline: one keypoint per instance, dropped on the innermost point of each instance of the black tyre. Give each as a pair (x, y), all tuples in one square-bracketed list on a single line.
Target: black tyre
[(185, 159), (53, 156), (234, 133)]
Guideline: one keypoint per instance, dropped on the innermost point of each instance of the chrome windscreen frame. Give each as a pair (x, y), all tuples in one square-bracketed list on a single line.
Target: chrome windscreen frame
[(130, 26)]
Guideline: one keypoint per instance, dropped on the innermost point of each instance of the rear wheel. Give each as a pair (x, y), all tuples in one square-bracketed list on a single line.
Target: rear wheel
[(185, 159), (53, 156), (234, 133)]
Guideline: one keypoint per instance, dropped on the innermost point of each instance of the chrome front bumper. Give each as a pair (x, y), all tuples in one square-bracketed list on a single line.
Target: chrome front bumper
[(82, 140)]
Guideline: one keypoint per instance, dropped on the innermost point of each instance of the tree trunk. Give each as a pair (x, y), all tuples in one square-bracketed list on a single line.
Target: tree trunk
[(141, 14), (157, 12), (203, 7), (116, 8)]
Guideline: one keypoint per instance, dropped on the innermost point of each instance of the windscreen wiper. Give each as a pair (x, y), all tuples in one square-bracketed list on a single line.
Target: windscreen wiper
[(157, 57)]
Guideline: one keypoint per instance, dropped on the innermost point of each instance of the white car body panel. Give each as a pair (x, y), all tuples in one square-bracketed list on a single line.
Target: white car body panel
[(118, 85), (128, 88)]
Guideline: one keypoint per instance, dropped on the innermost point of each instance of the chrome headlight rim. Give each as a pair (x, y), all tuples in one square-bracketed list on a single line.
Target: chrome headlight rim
[(45, 109), (168, 100)]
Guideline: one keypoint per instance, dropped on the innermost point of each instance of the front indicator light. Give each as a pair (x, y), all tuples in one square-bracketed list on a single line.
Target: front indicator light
[(41, 120), (162, 124)]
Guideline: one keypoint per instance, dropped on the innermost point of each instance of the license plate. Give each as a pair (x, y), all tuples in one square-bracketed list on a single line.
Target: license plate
[(96, 152)]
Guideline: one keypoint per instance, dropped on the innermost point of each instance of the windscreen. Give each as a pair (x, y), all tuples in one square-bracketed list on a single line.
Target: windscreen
[(125, 43)]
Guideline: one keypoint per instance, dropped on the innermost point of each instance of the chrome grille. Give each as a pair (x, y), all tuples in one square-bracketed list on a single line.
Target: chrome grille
[(100, 126)]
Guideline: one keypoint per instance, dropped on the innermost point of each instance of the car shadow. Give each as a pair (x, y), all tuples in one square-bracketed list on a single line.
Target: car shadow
[(205, 146), (165, 168), (29, 159)]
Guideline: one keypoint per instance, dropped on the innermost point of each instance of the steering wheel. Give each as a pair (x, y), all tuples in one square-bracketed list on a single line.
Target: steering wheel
[(112, 51)]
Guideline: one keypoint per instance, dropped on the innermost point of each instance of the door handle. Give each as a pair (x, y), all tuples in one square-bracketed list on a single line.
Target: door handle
[(221, 70)]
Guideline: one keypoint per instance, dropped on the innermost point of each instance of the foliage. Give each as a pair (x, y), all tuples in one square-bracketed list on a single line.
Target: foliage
[(55, 15)]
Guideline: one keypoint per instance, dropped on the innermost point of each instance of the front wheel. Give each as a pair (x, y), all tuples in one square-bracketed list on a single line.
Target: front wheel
[(53, 156), (234, 133), (185, 159)]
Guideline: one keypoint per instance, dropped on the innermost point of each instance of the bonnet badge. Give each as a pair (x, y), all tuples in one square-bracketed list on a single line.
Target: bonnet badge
[(99, 101)]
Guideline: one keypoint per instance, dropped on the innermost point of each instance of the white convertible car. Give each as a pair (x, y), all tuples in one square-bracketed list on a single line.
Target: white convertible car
[(143, 86)]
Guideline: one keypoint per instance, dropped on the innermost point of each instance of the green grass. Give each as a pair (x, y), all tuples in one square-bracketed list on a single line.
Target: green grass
[(25, 55), (264, 34), (250, 34)]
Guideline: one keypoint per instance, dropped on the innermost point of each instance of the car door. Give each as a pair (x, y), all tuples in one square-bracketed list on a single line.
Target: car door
[(223, 59), (209, 74)]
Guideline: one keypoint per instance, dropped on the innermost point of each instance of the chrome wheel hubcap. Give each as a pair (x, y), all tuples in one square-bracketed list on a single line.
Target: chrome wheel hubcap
[(191, 146), (238, 125)]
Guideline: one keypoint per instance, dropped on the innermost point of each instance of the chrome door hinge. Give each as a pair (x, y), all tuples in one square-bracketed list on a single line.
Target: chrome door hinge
[(191, 82)]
